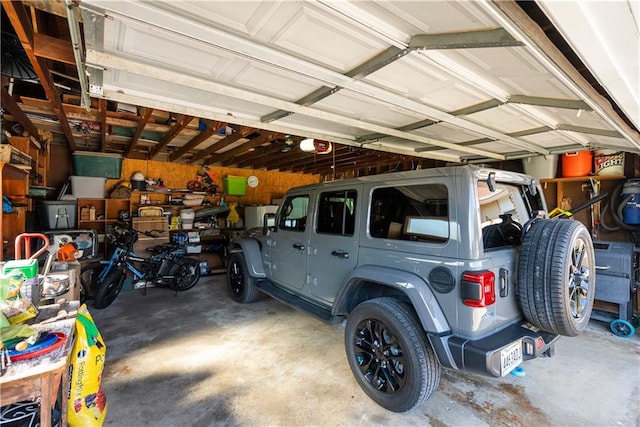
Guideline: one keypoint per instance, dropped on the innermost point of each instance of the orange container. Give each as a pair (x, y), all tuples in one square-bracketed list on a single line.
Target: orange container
[(577, 163)]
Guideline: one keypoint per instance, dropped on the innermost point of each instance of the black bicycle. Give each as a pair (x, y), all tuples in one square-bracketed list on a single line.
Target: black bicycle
[(169, 266)]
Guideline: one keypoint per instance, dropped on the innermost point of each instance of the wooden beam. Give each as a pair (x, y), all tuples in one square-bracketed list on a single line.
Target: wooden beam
[(53, 48), (145, 116), (10, 104), (224, 142), (197, 140), (178, 127), (256, 157), (20, 22), (102, 108), (253, 143)]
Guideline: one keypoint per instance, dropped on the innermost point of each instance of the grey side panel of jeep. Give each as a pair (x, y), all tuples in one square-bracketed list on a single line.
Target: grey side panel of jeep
[(415, 288)]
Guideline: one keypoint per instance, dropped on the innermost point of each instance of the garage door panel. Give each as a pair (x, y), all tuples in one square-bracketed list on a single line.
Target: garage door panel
[(139, 85), (448, 132), (314, 34), (427, 82), (365, 108)]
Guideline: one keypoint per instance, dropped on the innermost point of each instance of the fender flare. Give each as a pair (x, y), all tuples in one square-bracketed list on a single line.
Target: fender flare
[(250, 248), (414, 287)]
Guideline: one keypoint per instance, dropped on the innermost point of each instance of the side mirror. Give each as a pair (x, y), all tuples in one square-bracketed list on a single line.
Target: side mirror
[(269, 223)]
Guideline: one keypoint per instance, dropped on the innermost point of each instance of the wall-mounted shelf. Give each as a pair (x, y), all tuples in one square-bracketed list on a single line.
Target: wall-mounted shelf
[(560, 183), (14, 183), (107, 213), (556, 189)]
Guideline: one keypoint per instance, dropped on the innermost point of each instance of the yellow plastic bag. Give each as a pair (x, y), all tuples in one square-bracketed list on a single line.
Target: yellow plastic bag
[(233, 213), (87, 401)]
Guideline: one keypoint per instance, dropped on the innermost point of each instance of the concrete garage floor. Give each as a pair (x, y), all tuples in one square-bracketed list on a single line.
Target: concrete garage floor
[(199, 359)]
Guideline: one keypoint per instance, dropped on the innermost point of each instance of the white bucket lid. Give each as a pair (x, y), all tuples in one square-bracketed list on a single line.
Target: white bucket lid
[(187, 214)]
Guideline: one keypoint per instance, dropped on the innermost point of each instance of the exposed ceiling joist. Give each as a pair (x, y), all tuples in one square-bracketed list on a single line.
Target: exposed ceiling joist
[(20, 21), (16, 111)]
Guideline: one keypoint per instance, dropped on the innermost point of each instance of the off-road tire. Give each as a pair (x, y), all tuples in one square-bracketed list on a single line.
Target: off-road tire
[(109, 289), (240, 283), (389, 354), (556, 276), (89, 280)]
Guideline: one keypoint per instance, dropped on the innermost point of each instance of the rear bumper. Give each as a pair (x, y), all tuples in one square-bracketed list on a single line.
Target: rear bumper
[(483, 356)]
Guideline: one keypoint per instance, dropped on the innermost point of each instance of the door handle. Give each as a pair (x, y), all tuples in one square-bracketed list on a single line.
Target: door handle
[(340, 254), (299, 246)]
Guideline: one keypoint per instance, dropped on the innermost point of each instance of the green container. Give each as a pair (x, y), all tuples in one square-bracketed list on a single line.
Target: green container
[(87, 163), (235, 185), (28, 267)]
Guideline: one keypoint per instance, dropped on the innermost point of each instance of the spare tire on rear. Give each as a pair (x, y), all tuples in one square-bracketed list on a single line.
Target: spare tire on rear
[(556, 276)]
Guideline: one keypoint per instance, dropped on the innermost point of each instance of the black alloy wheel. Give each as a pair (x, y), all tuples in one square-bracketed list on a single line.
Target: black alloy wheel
[(389, 354)]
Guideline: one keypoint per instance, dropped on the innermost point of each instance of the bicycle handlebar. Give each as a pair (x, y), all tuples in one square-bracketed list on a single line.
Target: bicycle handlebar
[(150, 233), (127, 227)]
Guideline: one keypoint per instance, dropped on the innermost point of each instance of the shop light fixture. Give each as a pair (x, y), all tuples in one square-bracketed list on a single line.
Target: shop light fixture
[(307, 146), (310, 145)]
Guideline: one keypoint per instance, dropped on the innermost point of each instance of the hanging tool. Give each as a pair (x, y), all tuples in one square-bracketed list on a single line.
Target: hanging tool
[(593, 187)]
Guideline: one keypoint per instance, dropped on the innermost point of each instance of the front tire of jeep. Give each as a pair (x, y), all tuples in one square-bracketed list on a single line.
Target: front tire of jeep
[(239, 282), (389, 354), (556, 276)]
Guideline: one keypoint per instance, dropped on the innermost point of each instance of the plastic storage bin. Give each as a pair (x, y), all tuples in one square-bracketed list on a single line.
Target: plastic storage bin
[(235, 185), (577, 163), (106, 165), (541, 167), (88, 187), (57, 214)]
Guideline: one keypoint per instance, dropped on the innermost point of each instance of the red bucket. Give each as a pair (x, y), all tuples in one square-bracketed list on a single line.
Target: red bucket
[(577, 163)]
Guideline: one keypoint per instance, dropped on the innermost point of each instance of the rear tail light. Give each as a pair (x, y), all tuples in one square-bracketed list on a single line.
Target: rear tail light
[(478, 288)]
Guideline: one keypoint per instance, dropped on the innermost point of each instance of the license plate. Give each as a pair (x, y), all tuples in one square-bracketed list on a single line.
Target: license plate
[(510, 357)]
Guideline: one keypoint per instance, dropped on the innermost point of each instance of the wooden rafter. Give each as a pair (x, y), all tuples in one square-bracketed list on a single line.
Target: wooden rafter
[(250, 145), (197, 140), (24, 30), (53, 48), (252, 158), (102, 108), (144, 118), (10, 104), (242, 132), (181, 123)]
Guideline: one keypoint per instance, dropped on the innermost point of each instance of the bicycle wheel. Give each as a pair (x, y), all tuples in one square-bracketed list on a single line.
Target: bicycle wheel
[(186, 274), (89, 278), (109, 289)]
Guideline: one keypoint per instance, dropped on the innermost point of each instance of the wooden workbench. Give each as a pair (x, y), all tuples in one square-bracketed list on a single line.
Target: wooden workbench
[(39, 379)]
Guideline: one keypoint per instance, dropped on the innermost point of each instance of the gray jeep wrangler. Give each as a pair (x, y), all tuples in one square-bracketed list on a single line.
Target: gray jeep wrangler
[(455, 267)]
